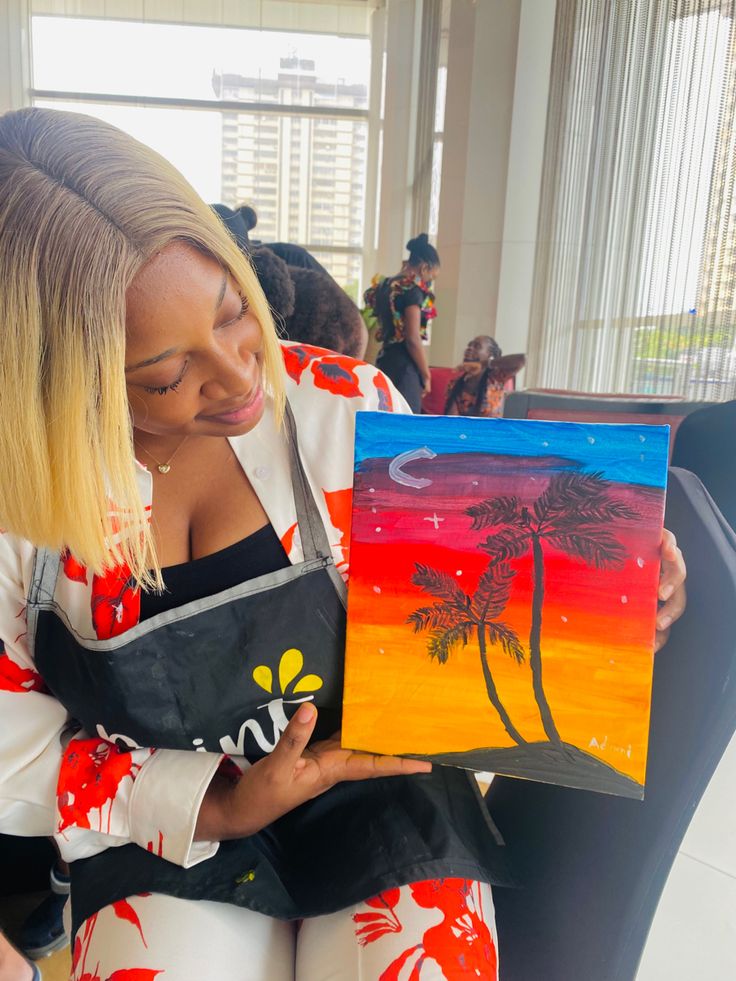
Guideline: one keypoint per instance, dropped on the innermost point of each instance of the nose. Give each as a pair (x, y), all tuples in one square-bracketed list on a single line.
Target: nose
[(232, 372)]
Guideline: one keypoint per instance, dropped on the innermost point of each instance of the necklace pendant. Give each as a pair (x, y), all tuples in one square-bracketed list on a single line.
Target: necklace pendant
[(163, 468)]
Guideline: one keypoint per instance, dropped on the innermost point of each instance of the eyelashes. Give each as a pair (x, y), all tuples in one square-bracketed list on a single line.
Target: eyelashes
[(163, 389)]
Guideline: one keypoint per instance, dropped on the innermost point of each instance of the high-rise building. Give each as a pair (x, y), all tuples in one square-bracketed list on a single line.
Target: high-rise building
[(304, 175)]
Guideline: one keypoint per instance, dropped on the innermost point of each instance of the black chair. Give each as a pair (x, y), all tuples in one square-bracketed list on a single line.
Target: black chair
[(706, 445), (591, 867)]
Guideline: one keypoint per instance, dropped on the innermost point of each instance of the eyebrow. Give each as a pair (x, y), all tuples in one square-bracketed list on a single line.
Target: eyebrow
[(174, 350)]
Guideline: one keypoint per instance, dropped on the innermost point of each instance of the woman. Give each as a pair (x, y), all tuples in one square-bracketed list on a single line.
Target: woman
[(403, 306), (479, 386), (200, 817)]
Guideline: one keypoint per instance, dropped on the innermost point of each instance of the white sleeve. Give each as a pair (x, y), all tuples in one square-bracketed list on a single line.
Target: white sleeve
[(84, 791)]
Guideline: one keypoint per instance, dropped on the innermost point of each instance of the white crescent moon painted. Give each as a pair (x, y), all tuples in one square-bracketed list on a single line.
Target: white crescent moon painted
[(396, 472)]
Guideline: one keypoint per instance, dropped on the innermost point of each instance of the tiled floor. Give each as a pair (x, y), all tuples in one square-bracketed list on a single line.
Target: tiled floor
[(694, 931), (13, 910)]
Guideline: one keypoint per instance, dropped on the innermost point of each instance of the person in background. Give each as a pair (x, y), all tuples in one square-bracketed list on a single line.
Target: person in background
[(403, 306), (310, 306), (479, 388), (241, 221), (324, 316)]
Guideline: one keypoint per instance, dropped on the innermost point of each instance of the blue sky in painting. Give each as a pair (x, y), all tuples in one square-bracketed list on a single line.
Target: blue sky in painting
[(628, 454)]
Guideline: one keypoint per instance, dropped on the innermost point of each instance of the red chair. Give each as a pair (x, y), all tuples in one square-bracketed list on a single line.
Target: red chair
[(434, 403)]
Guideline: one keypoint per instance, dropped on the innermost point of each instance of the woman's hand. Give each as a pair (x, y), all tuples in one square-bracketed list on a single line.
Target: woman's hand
[(289, 776), (671, 591)]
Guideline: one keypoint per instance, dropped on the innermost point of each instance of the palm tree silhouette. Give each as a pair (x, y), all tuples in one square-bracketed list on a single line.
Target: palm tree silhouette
[(568, 516), (459, 615)]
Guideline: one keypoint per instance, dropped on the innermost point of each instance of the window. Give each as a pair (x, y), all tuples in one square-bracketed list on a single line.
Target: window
[(170, 101), (635, 281)]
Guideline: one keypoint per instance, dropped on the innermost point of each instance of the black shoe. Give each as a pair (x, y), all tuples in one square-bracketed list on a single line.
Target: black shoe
[(43, 930)]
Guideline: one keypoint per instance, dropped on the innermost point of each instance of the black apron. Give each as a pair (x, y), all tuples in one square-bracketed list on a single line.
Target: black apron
[(196, 677)]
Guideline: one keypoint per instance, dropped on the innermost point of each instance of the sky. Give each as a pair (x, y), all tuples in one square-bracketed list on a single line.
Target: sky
[(629, 454)]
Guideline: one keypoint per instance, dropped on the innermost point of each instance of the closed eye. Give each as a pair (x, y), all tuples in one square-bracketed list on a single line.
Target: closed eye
[(163, 389), (244, 307)]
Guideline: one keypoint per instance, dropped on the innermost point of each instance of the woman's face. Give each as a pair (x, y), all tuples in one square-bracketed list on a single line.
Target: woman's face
[(193, 350)]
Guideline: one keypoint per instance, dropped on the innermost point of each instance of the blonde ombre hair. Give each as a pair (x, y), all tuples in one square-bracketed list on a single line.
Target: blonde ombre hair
[(83, 207)]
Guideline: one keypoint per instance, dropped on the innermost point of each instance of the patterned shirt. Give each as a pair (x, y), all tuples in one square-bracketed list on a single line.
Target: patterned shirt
[(388, 298), (82, 788)]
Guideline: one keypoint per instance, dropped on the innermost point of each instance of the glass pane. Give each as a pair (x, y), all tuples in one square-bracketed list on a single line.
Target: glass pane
[(304, 177), (190, 139), (345, 268), (191, 62)]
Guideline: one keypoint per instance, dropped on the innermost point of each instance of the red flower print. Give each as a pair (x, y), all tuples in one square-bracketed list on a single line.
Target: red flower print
[(287, 539), (116, 602), (124, 911), (332, 372), (385, 401), (461, 944), (134, 974), (335, 374), (91, 772), (17, 679), (339, 504), (297, 357), (376, 925), (73, 569)]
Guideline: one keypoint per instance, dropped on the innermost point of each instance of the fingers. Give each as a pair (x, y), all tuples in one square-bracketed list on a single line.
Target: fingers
[(671, 593), (660, 639), (673, 609), (672, 569), (296, 735), (366, 765)]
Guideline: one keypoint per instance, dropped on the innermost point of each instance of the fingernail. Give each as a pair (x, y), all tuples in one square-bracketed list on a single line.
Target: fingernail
[(666, 591), (664, 622), (305, 713)]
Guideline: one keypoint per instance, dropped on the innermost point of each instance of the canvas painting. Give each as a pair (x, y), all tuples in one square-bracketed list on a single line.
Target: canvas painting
[(503, 595)]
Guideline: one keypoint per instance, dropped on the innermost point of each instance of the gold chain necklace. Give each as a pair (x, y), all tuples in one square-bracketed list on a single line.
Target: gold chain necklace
[(164, 467)]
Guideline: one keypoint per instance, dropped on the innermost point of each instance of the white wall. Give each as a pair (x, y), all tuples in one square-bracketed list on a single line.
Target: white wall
[(499, 55), (14, 54)]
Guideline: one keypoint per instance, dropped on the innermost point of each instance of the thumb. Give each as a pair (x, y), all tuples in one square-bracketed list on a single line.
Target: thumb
[(295, 736)]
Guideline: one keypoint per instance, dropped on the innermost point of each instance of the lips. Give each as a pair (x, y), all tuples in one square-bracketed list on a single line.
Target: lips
[(235, 414)]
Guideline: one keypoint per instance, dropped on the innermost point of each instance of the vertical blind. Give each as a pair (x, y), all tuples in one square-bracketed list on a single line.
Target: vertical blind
[(635, 270)]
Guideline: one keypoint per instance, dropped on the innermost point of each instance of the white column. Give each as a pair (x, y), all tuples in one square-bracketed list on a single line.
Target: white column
[(403, 42), (481, 73), (15, 54), (497, 84), (524, 184)]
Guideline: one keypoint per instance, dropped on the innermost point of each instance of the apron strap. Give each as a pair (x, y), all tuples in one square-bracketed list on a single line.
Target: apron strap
[(43, 585), (315, 543)]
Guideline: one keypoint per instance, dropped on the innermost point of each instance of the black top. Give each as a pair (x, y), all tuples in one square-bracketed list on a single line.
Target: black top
[(407, 298), (296, 255), (252, 556)]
